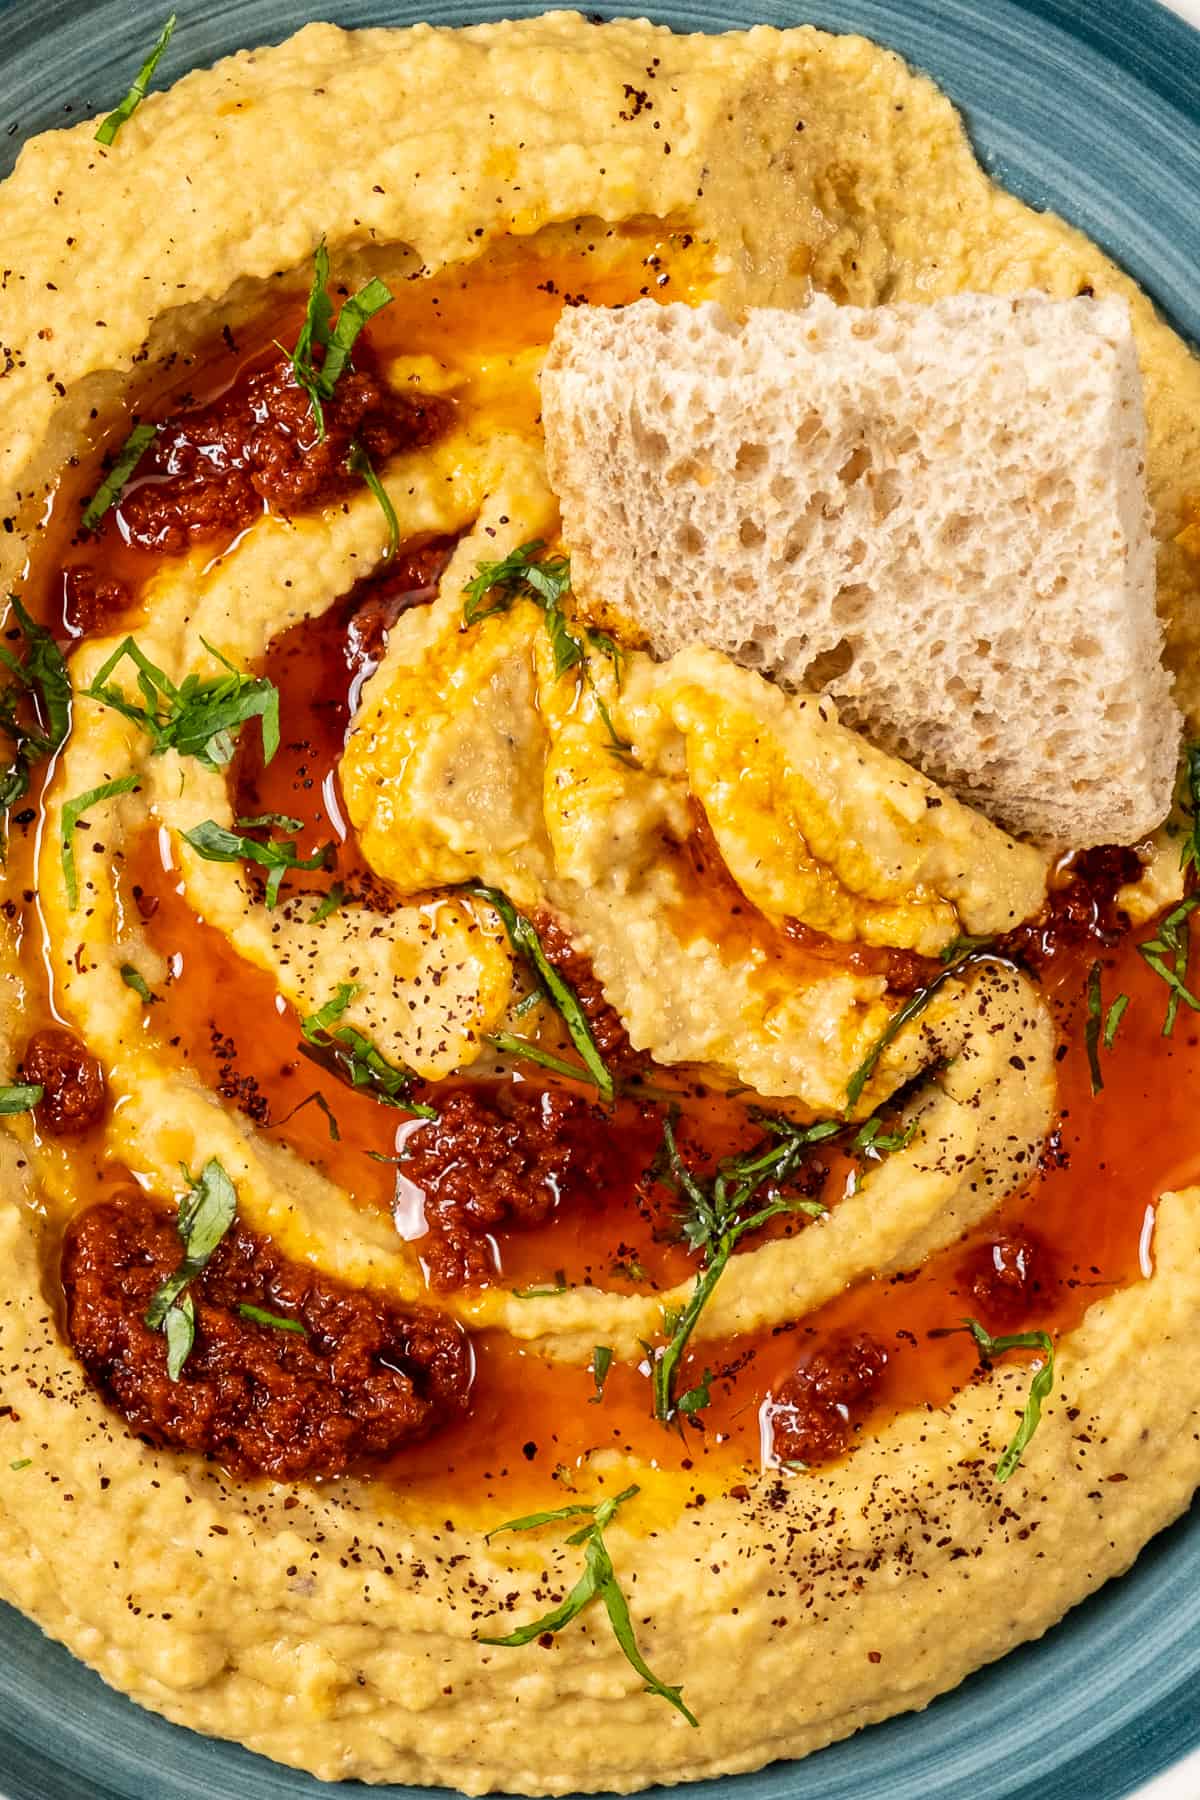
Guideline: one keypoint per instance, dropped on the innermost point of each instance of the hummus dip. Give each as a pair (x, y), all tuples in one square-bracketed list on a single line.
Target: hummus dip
[(535, 1177)]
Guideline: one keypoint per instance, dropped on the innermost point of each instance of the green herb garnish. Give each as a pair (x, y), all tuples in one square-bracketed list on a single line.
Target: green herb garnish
[(22, 1462), (991, 1347), (1190, 855), (35, 713), (1112, 1021), (111, 488), (962, 946), (546, 1291), (322, 1105), (957, 956), (106, 134), (354, 1058), (1173, 939), (1095, 1014), (526, 574), (524, 939), (133, 978), (206, 1212), (598, 1581), (359, 463), (601, 1363), (202, 716), (23, 1096), (329, 904), (265, 821), (72, 815), (258, 1315), (873, 1142), (509, 1045), (335, 339), (278, 857), (716, 1216)]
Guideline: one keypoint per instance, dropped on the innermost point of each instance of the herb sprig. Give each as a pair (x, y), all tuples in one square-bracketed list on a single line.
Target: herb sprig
[(258, 1315), (334, 338), (507, 1043), (523, 937), (107, 132), (717, 1213), (598, 1582), (527, 574), (72, 816), (957, 957), (355, 1059), (1039, 1391), (21, 1097), (1173, 941), (278, 856), (1190, 854), (113, 485), (206, 1213), (202, 716), (359, 463), (35, 707)]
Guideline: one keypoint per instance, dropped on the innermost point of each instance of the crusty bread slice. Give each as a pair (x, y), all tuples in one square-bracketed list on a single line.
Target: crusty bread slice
[(935, 514)]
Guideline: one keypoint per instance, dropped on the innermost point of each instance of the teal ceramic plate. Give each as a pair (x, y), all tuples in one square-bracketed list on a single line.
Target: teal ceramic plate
[(1092, 108)]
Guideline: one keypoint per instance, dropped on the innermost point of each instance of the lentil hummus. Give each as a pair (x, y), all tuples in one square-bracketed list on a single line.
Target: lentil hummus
[(464, 1073)]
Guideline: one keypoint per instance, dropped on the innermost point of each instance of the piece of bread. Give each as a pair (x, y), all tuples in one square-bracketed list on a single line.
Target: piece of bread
[(935, 514)]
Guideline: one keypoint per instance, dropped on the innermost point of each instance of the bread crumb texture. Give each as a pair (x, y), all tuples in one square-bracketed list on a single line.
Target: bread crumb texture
[(935, 514)]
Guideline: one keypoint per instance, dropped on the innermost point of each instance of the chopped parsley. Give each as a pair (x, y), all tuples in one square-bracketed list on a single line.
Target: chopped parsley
[(957, 957), (107, 132), (508, 1044), (524, 939), (279, 856), (598, 1582), (22, 1097), (202, 716), (601, 1363), (1112, 1020), (206, 1212), (113, 485), (1095, 1019), (1102, 1026), (334, 338), (22, 1462), (1167, 953), (133, 978), (353, 1058), (359, 463), (1040, 1388), (35, 707), (718, 1211), (545, 1292), (874, 1143), (323, 1106), (258, 1315), (72, 816), (527, 574), (264, 822), (329, 904), (1190, 855)]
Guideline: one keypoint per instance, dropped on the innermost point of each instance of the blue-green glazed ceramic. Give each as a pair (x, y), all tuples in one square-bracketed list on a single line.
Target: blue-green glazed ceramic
[(1093, 110)]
